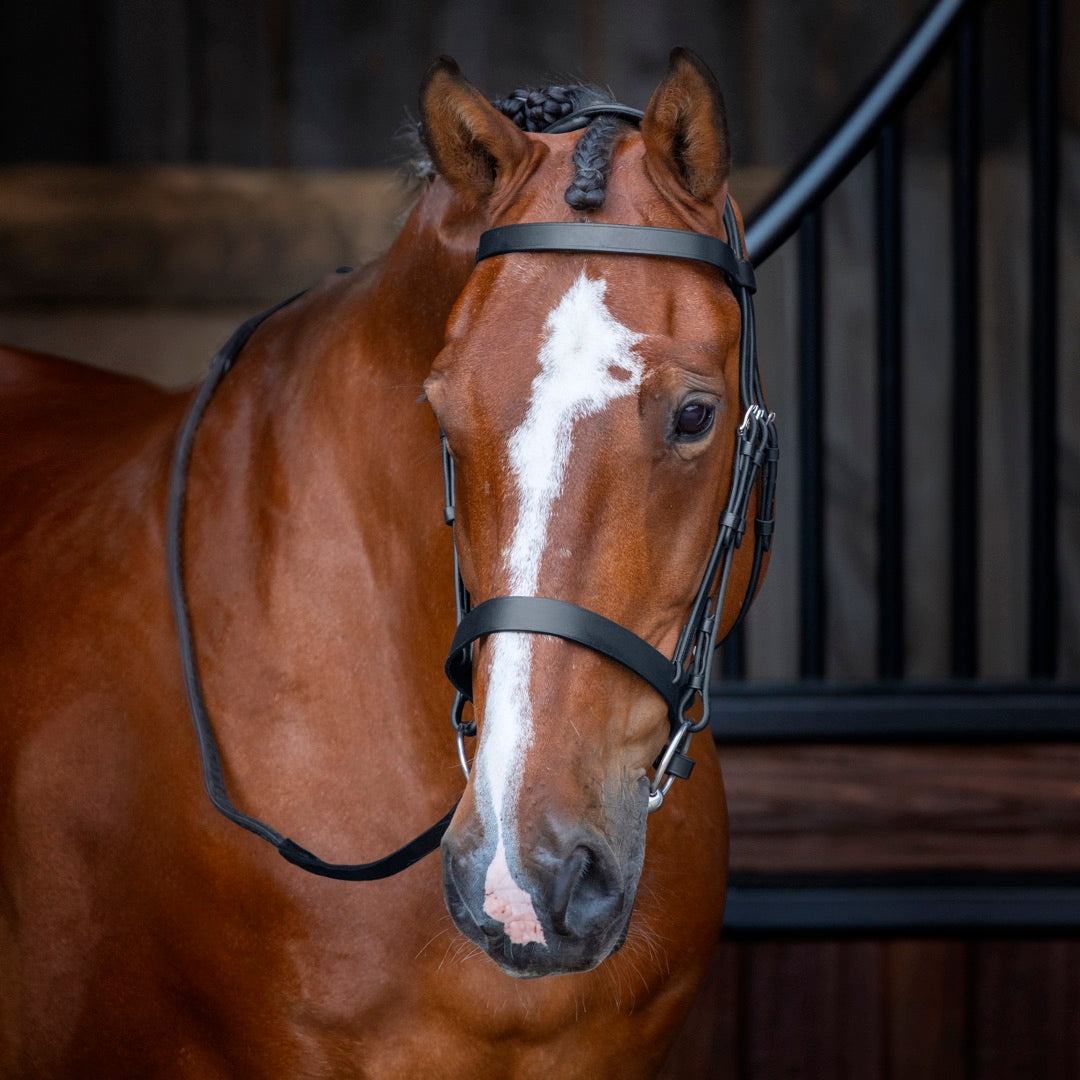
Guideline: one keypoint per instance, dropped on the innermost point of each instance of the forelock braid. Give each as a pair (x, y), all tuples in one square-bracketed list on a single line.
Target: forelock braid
[(592, 159)]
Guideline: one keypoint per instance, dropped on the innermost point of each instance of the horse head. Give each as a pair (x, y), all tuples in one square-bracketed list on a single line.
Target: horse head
[(590, 403)]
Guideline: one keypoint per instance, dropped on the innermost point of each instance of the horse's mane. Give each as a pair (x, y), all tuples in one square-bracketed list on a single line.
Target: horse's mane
[(536, 109)]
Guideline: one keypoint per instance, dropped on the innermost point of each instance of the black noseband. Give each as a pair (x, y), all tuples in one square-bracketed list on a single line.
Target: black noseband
[(541, 615)]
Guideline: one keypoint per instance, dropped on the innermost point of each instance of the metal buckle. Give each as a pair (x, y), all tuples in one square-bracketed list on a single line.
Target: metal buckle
[(659, 786), (462, 728)]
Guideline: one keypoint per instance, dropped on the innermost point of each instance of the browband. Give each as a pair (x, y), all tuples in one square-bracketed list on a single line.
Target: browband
[(617, 239)]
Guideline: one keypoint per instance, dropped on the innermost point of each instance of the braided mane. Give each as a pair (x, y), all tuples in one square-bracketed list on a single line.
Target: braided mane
[(535, 110)]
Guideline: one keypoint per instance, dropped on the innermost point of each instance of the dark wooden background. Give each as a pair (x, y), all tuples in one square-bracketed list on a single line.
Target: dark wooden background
[(167, 168)]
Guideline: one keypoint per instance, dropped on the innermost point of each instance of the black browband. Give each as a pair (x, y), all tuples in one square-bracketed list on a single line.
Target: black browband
[(587, 236), (677, 680)]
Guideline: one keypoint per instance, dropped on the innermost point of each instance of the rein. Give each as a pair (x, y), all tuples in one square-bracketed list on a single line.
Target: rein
[(680, 679), (213, 774)]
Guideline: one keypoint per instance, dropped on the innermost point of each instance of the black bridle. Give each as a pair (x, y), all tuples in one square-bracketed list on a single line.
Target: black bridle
[(680, 679), (683, 678)]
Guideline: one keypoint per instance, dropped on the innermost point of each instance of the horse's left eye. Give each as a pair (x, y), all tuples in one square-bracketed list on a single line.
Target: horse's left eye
[(694, 420)]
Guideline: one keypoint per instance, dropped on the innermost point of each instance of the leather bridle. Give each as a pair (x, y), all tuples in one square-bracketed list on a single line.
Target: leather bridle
[(679, 679), (683, 678)]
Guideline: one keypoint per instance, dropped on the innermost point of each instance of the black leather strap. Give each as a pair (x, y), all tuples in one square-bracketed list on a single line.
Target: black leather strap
[(213, 773), (582, 117), (541, 615), (387, 866), (591, 236)]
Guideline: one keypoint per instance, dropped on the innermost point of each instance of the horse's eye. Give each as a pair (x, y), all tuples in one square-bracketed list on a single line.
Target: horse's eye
[(694, 420)]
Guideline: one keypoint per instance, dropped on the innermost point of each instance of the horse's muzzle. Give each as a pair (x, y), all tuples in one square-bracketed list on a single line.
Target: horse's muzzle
[(576, 897)]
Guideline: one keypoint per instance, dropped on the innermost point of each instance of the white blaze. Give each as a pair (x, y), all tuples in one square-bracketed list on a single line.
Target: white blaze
[(587, 360)]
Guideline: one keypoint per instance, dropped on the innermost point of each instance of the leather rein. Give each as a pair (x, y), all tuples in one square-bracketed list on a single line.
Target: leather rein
[(680, 679)]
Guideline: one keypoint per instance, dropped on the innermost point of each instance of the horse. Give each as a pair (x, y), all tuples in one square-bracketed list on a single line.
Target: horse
[(276, 564)]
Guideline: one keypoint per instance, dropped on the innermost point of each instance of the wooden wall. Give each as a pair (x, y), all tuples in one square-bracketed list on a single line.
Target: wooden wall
[(901, 1009), (904, 1005)]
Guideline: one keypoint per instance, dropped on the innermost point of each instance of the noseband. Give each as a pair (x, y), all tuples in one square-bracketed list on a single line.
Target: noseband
[(679, 679), (683, 678)]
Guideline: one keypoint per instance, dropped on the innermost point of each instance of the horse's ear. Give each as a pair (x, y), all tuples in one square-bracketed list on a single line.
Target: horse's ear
[(685, 128), (472, 145)]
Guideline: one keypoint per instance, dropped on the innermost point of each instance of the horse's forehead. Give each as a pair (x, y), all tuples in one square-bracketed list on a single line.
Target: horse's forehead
[(575, 358)]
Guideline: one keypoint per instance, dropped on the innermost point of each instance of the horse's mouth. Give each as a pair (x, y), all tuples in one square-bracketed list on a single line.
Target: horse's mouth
[(533, 960)]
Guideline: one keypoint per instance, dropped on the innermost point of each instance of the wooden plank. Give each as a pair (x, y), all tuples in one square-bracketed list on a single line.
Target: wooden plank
[(169, 346), (881, 808), (233, 78), (177, 234)]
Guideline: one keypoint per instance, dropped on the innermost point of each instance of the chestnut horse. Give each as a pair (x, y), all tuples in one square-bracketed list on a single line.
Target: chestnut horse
[(589, 401)]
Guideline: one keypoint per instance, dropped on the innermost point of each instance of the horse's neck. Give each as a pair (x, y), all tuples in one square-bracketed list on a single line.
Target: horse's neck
[(316, 506)]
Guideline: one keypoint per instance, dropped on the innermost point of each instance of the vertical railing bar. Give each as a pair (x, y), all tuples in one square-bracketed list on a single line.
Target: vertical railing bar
[(811, 456), (964, 504), (1043, 573), (733, 655), (888, 203)]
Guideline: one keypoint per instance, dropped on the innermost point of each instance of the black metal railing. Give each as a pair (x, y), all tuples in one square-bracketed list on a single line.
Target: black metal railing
[(873, 124), (893, 709)]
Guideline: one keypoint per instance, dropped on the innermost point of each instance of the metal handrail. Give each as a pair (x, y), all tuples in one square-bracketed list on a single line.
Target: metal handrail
[(842, 147)]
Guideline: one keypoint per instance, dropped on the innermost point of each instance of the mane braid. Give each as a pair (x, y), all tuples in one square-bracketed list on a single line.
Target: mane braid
[(536, 109)]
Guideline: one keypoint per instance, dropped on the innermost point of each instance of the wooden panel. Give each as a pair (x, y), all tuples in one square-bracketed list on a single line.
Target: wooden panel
[(183, 234), (169, 346), (231, 82), (149, 77), (186, 235), (874, 808), (871, 1010)]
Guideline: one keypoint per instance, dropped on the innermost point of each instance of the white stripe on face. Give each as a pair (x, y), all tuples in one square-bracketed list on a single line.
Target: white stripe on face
[(587, 360)]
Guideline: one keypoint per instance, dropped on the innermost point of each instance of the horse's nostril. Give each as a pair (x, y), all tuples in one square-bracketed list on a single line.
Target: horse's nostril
[(567, 878), (585, 894)]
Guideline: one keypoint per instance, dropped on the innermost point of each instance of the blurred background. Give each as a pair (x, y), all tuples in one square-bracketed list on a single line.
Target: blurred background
[(168, 168)]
